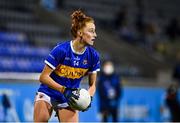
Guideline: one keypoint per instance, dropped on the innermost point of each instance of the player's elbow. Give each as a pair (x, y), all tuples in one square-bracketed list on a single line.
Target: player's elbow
[(93, 85), (41, 78)]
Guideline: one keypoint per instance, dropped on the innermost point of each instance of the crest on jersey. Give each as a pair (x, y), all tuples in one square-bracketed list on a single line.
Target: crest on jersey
[(85, 62)]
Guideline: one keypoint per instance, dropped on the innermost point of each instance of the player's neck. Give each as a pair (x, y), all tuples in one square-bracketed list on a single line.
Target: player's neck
[(78, 46)]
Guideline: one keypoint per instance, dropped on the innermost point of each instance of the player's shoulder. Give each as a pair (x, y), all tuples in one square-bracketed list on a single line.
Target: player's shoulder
[(63, 45), (93, 51)]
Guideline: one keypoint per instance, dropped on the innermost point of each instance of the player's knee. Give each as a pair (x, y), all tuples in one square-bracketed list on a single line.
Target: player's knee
[(41, 118)]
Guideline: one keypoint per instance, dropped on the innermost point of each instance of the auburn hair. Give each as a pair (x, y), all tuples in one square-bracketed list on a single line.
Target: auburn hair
[(79, 20)]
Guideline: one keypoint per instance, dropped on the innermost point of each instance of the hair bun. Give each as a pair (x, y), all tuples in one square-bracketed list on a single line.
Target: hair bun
[(78, 16), (79, 20)]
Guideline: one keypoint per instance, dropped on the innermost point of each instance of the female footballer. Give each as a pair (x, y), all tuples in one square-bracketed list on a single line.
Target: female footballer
[(64, 68)]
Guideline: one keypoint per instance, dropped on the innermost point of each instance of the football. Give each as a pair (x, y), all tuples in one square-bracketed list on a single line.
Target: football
[(83, 101)]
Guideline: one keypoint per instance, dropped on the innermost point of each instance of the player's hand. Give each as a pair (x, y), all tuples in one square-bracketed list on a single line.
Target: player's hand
[(71, 94), (88, 106)]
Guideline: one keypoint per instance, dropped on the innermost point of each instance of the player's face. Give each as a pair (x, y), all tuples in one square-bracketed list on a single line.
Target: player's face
[(89, 33)]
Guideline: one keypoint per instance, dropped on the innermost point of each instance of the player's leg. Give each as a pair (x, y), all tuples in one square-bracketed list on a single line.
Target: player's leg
[(68, 115), (42, 111), (42, 107)]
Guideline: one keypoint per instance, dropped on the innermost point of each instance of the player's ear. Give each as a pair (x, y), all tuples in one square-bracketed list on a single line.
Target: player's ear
[(79, 32)]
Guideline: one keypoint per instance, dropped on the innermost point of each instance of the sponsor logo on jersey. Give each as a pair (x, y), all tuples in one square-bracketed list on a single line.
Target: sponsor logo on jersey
[(77, 58), (67, 58), (70, 72)]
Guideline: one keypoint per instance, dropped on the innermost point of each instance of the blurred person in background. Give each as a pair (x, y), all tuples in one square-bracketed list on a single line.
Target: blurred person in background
[(6, 105), (65, 66), (172, 102), (121, 17), (173, 29), (109, 92), (176, 69), (50, 5)]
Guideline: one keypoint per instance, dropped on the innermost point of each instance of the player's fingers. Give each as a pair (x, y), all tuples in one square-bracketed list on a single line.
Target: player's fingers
[(72, 101)]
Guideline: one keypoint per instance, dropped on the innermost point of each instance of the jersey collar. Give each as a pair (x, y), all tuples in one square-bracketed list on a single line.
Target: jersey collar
[(79, 53)]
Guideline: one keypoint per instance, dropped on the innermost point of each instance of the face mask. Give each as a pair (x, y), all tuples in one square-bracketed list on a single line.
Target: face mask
[(108, 69)]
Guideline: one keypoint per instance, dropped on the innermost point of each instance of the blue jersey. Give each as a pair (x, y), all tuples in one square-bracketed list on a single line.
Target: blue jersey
[(69, 67)]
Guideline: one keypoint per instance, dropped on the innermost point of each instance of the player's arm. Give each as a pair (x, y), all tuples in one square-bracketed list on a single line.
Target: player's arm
[(92, 83), (93, 74), (92, 87), (47, 80)]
